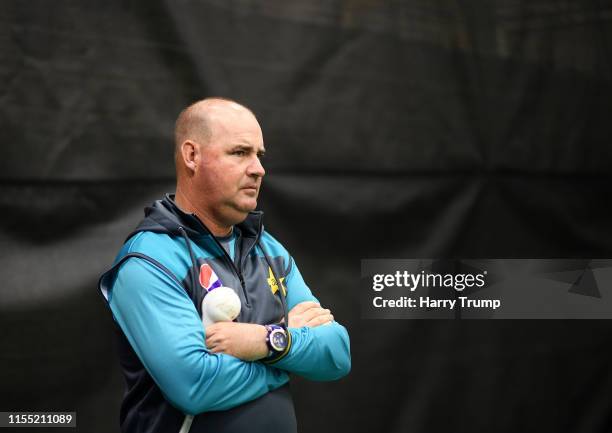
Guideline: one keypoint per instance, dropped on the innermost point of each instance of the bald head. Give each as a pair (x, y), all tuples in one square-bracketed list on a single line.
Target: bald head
[(196, 122)]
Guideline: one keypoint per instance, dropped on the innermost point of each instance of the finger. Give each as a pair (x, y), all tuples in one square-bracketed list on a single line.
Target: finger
[(314, 312), (213, 340), (320, 320), (303, 306), (217, 343), (209, 343), (211, 329)]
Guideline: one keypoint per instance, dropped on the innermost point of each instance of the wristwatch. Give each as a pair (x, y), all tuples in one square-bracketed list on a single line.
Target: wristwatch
[(277, 340)]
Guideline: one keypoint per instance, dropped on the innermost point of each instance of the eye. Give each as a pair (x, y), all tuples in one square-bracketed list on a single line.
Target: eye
[(239, 152)]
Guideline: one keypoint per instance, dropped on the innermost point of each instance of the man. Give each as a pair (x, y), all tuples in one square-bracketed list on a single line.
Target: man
[(233, 376)]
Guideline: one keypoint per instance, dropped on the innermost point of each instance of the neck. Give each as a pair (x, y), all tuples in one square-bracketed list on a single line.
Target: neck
[(187, 206)]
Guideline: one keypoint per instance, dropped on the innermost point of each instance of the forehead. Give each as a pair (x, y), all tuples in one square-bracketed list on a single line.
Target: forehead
[(236, 127)]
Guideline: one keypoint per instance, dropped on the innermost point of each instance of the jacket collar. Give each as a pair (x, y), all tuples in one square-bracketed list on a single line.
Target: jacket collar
[(164, 216)]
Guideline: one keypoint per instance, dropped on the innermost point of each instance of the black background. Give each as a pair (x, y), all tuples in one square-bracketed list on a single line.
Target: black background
[(393, 129)]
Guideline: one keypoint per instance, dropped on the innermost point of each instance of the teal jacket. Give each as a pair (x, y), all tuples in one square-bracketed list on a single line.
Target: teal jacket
[(154, 291)]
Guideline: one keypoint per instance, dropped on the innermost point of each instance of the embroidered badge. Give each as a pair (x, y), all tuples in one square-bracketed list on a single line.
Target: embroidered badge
[(273, 284), (208, 279)]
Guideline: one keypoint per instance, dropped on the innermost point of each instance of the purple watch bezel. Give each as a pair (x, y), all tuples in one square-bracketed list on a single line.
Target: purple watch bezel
[(274, 329)]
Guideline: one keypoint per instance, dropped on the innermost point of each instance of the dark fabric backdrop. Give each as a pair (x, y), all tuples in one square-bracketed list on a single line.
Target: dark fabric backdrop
[(394, 130)]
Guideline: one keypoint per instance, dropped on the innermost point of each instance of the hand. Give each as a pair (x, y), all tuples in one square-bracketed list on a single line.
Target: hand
[(309, 314), (246, 341)]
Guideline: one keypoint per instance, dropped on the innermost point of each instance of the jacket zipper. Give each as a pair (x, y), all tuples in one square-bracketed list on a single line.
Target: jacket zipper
[(229, 260), (259, 230)]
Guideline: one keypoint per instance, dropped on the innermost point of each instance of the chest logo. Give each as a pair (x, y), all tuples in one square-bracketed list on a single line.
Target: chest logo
[(273, 284), (208, 279)]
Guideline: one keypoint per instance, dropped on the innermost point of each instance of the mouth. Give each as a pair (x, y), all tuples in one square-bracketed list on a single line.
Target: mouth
[(253, 188)]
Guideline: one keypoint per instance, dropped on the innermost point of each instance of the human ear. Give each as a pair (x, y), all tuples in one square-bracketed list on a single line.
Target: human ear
[(189, 154)]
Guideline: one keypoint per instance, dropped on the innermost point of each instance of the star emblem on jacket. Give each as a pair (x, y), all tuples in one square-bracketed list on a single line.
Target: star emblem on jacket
[(273, 284)]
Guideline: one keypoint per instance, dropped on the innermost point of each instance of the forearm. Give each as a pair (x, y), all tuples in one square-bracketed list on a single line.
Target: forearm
[(219, 382), (321, 353)]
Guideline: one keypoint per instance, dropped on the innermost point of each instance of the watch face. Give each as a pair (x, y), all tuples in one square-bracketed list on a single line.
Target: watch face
[(278, 340)]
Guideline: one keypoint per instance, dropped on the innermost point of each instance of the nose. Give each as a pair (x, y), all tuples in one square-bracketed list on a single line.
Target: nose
[(255, 168)]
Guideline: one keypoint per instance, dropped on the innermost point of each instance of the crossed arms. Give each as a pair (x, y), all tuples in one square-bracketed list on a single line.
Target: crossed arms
[(164, 329), (246, 341)]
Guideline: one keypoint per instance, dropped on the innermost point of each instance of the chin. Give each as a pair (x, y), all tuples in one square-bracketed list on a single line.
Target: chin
[(249, 206), (245, 208)]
